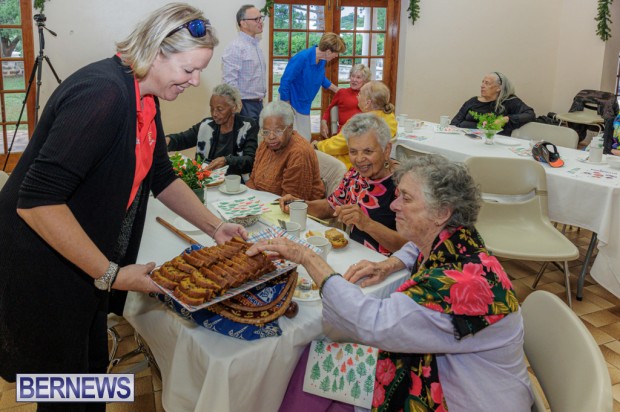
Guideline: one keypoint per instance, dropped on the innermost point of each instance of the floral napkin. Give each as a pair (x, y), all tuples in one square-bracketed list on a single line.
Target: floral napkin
[(217, 176), (247, 206)]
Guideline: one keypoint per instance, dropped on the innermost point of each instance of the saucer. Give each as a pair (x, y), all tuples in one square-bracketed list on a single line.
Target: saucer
[(509, 141), (587, 161), (242, 188)]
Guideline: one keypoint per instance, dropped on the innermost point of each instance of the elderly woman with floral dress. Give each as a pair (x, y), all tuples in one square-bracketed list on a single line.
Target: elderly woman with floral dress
[(451, 337), (362, 200)]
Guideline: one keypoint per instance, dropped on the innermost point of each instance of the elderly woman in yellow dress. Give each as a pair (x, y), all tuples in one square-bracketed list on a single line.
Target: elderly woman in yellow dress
[(362, 200), (285, 162), (374, 97), (451, 336)]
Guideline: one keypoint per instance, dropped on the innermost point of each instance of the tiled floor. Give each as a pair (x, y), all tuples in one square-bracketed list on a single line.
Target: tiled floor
[(599, 310)]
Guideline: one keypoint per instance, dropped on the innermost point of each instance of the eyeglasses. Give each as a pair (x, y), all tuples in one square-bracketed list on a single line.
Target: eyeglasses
[(278, 132), (197, 28), (258, 19)]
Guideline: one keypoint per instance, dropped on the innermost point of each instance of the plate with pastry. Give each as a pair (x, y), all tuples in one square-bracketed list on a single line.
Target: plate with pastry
[(337, 238), (306, 290)]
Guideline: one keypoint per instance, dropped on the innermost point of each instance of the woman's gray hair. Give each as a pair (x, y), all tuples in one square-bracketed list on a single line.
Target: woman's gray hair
[(506, 92), (151, 37), (362, 69), (363, 123), (445, 184), (231, 94), (280, 109)]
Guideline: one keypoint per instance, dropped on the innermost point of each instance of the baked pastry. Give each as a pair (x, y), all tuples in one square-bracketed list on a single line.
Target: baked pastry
[(336, 238), (203, 274)]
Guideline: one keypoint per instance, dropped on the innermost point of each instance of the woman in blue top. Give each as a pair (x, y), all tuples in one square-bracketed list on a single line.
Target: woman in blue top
[(304, 75)]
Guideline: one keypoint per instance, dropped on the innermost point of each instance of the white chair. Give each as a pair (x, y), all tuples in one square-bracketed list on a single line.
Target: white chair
[(3, 178), (519, 228), (332, 171), (405, 152), (558, 135), (587, 116), (564, 356)]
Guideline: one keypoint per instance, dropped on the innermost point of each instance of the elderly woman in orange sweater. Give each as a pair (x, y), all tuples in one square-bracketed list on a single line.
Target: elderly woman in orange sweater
[(374, 97), (285, 163)]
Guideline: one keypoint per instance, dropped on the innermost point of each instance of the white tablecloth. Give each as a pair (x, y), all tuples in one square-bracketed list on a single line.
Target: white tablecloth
[(205, 371), (581, 201)]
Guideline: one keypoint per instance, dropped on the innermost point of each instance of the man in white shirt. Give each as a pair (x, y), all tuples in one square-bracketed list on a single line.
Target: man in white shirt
[(243, 63)]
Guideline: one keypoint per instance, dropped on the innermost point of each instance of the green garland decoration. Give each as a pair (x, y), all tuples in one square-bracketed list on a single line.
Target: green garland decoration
[(267, 9), (414, 10), (39, 5), (602, 28)]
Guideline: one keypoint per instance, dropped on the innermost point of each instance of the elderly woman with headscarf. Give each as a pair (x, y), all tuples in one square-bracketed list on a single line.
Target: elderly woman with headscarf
[(451, 336), (224, 139), (362, 200), (497, 95), (285, 162), (374, 97), (345, 99)]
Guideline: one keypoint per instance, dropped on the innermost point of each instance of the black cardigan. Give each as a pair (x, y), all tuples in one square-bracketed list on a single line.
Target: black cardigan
[(518, 112), (81, 154), (239, 152)]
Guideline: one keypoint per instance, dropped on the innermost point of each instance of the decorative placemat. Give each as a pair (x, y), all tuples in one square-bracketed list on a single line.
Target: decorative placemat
[(521, 151), (404, 135), (598, 174), (447, 129), (246, 206)]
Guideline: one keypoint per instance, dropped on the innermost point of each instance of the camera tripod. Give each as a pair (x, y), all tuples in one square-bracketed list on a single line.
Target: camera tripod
[(37, 70)]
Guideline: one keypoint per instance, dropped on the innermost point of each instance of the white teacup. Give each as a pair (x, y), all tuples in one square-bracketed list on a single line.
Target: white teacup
[(596, 155), (293, 228), (233, 183), (444, 121), (409, 125), (299, 213), (321, 243)]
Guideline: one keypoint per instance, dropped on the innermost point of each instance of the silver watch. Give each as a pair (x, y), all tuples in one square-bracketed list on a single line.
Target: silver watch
[(105, 282)]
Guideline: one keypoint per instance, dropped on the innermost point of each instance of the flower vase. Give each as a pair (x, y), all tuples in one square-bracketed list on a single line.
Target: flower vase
[(200, 193), (489, 135)]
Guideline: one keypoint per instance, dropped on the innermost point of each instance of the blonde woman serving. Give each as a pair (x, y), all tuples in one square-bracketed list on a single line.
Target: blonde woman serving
[(73, 209)]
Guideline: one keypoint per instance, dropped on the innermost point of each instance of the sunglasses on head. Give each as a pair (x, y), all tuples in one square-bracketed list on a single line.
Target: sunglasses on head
[(197, 28)]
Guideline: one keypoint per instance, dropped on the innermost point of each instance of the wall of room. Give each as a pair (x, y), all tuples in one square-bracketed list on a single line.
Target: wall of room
[(612, 49), (548, 49), (87, 32)]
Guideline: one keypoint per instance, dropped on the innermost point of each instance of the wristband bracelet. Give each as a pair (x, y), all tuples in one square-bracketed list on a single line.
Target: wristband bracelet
[(217, 228), (325, 280)]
